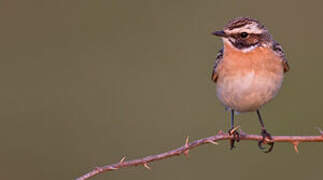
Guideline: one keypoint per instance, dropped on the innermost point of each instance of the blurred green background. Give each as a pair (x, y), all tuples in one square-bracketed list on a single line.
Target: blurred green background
[(84, 83)]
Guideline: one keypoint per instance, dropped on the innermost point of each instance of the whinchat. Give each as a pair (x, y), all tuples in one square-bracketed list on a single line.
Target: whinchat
[(248, 71)]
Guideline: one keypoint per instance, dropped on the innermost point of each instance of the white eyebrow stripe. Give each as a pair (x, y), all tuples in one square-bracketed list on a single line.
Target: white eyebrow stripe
[(248, 28)]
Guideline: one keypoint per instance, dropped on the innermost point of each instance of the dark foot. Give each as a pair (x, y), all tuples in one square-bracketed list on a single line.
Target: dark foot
[(236, 137), (266, 139)]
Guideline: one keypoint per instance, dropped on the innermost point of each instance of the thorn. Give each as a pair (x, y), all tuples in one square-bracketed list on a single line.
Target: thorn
[(186, 153), (320, 130), (242, 133), (186, 141), (98, 169), (234, 129), (122, 159), (212, 142), (296, 143), (186, 146), (220, 132), (146, 166)]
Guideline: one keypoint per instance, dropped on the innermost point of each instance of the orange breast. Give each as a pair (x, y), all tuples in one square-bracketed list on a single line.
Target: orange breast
[(246, 81), (260, 60)]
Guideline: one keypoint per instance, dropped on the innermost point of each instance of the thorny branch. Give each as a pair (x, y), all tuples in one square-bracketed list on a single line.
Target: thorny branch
[(294, 140)]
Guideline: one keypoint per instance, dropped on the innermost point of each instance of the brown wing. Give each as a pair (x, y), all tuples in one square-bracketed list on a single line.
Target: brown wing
[(280, 52), (218, 59)]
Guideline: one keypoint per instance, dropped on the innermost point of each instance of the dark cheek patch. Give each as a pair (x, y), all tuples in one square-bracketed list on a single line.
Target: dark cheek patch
[(241, 43), (253, 39)]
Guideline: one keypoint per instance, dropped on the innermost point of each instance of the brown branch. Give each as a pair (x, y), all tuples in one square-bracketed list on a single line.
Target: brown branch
[(295, 140)]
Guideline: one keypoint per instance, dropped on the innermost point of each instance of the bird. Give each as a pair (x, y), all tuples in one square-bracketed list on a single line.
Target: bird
[(248, 71)]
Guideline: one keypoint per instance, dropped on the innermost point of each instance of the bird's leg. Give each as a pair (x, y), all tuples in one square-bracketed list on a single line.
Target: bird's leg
[(266, 137), (233, 131)]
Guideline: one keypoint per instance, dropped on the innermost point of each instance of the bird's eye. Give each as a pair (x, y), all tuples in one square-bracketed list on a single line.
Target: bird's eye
[(243, 34)]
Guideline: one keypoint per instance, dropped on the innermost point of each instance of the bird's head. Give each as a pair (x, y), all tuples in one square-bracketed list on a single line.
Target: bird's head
[(244, 33)]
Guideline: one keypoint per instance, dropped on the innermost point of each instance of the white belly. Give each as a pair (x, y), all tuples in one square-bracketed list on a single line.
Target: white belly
[(248, 91)]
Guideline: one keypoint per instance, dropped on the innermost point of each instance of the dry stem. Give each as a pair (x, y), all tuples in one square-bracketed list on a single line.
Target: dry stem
[(294, 140)]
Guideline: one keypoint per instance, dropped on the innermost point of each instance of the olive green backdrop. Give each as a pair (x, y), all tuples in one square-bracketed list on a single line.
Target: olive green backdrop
[(84, 83)]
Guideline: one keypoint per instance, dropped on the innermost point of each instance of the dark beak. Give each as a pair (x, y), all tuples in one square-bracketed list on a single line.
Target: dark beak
[(220, 33)]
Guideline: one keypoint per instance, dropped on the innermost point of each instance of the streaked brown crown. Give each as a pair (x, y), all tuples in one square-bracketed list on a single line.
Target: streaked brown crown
[(242, 21)]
